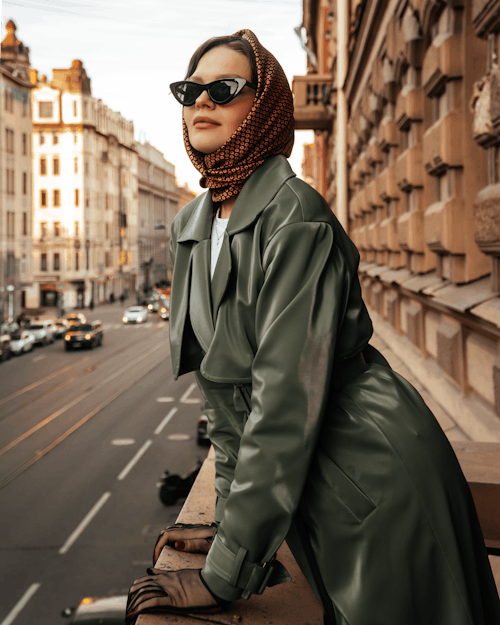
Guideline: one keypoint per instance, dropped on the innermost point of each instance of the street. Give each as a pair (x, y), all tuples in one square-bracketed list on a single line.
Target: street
[(85, 436)]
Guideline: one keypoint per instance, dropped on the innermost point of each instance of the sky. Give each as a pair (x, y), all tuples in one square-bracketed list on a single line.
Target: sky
[(133, 50)]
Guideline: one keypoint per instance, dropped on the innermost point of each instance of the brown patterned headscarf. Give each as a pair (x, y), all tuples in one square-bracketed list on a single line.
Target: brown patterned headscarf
[(267, 130)]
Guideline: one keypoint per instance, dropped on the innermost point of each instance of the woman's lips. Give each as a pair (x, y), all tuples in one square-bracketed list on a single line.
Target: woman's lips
[(204, 123)]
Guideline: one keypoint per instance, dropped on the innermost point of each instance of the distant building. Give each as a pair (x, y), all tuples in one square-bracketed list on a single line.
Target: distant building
[(185, 195), (404, 100), (85, 200), (16, 270), (158, 205)]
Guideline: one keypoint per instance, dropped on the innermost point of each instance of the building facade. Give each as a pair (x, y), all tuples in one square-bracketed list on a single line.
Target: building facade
[(404, 98), (85, 194), (16, 269), (158, 205)]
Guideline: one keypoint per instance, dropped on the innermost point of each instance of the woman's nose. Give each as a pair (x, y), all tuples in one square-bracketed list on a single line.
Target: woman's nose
[(204, 100)]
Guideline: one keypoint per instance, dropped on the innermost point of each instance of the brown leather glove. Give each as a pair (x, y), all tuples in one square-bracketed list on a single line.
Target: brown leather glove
[(195, 538), (171, 591)]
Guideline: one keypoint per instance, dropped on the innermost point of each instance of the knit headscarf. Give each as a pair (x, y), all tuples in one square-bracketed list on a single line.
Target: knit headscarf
[(266, 131)]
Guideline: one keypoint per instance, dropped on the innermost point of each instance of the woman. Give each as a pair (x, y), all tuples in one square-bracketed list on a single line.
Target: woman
[(316, 439)]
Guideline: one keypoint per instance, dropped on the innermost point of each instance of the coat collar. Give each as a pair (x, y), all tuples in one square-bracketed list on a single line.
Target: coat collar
[(257, 192)]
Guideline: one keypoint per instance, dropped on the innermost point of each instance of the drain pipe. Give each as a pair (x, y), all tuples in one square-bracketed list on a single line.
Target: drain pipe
[(341, 139)]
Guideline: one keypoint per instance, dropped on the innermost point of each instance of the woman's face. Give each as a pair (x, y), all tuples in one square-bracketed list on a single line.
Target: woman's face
[(210, 125)]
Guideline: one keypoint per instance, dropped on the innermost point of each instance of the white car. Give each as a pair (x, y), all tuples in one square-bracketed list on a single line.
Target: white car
[(135, 314), (22, 342), (43, 331)]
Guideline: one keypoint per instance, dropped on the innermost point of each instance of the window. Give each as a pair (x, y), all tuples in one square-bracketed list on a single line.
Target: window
[(43, 262), (42, 138), (56, 261), (9, 100), (107, 259), (9, 140), (43, 197), (107, 231), (75, 108), (10, 224), (77, 228), (77, 197), (43, 229), (25, 107), (45, 109), (25, 224), (57, 228), (86, 168), (25, 144), (10, 181), (56, 197), (407, 201), (55, 166), (25, 183), (76, 165), (442, 187), (77, 261), (43, 166), (404, 138), (55, 138)]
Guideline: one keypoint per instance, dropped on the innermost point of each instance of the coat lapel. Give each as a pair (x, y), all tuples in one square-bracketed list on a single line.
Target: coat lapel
[(221, 276), (200, 309)]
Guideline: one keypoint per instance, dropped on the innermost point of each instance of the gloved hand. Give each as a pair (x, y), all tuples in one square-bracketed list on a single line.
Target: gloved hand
[(195, 538), (171, 591)]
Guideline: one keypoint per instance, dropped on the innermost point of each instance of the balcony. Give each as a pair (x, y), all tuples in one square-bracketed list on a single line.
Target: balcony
[(314, 97), (410, 228)]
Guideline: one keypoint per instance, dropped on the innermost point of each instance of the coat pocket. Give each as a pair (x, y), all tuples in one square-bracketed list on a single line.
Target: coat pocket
[(347, 492)]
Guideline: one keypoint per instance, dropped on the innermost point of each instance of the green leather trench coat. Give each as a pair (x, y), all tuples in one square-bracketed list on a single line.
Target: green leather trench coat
[(341, 458)]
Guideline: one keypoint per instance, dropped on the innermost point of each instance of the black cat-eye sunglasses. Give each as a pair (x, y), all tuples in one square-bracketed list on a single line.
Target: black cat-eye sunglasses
[(219, 91)]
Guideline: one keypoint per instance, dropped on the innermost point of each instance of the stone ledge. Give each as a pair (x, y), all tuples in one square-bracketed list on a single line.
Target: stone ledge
[(292, 603)]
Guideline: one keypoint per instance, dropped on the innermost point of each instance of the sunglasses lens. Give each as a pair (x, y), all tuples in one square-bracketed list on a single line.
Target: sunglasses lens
[(187, 92), (223, 90)]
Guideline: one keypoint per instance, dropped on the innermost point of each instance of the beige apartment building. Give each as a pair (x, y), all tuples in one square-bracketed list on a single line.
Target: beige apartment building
[(158, 205), (404, 99), (85, 194), (16, 269)]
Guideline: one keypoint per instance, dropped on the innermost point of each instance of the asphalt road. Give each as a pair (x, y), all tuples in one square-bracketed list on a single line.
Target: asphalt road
[(84, 438)]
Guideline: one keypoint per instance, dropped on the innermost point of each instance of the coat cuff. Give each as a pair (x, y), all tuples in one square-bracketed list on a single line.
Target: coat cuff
[(230, 576)]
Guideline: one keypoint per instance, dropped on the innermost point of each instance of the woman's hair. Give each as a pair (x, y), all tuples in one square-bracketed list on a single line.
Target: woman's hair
[(235, 43)]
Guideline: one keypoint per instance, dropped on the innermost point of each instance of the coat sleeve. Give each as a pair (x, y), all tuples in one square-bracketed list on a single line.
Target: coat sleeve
[(297, 318)]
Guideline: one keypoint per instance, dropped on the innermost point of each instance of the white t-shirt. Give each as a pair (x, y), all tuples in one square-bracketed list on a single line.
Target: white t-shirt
[(218, 228)]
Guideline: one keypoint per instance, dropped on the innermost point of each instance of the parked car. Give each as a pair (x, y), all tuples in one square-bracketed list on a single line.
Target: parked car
[(75, 318), (164, 310), (84, 335), (43, 332), (61, 327), (5, 341), (135, 314), (98, 611), (23, 341)]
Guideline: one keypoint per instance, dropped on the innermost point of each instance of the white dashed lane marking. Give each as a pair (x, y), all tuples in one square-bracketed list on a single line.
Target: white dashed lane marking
[(165, 420), (86, 520), (134, 460), (20, 604), (185, 399)]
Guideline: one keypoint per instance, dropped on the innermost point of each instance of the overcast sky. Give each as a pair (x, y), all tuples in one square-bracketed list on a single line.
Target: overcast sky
[(132, 51)]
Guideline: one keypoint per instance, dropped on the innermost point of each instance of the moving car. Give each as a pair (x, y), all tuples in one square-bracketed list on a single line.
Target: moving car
[(135, 314), (5, 341), (164, 310), (153, 303), (43, 331), (75, 318), (84, 335), (61, 326), (98, 611), (23, 341)]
